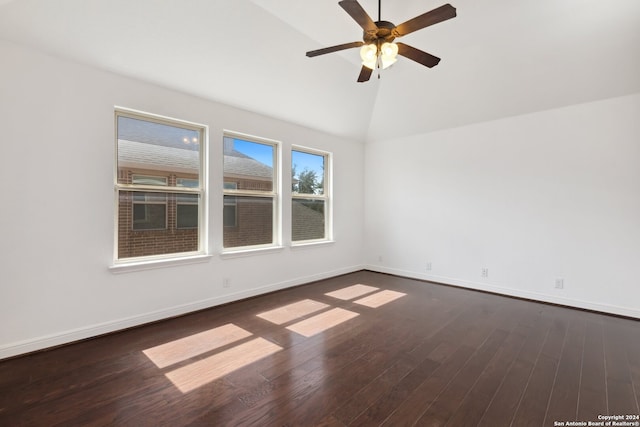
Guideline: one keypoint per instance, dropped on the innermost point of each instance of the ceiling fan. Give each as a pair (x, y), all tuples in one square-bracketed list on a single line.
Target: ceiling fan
[(377, 49)]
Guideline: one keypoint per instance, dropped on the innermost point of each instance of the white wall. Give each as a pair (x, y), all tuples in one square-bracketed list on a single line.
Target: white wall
[(57, 214), (533, 198)]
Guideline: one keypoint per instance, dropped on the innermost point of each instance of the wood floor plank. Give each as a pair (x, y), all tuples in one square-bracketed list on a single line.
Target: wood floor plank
[(620, 390), (443, 407), (410, 410), (353, 406), (480, 395), (504, 404), (473, 333), (533, 405), (633, 357), (300, 382), (437, 355), (592, 396), (563, 402), (443, 329), (391, 401), (341, 384)]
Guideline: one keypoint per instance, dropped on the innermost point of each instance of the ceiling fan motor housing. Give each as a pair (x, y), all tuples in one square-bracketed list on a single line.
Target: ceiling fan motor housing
[(384, 33)]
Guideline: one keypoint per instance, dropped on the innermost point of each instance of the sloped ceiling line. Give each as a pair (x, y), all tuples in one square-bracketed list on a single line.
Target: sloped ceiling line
[(500, 58)]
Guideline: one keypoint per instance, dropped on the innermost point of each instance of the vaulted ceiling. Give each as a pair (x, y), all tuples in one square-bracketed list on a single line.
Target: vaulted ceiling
[(499, 57)]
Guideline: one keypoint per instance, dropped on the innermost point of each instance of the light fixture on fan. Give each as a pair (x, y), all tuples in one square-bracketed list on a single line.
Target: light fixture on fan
[(386, 54)]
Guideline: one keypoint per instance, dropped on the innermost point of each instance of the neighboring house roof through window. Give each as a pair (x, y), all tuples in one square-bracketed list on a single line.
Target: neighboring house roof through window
[(154, 146)]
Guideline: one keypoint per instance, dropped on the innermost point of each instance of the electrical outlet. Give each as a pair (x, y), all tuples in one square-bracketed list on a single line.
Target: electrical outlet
[(428, 265), (226, 282), (484, 272), (559, 283), (379, 258)]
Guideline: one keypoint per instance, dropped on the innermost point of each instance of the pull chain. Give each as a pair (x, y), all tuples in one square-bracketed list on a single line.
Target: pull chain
[(379, 19)]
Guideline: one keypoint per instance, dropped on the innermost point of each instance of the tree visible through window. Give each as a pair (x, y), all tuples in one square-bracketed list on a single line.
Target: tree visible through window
[(309, 204), (159, 186)]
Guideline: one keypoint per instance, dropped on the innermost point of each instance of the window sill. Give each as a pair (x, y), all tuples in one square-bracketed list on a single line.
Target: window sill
[(230, 253), (126, 267), (311, 244)]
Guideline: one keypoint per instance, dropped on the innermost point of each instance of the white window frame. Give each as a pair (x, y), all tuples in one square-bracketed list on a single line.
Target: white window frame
[(326, 196), (144, 262), (274, 195)]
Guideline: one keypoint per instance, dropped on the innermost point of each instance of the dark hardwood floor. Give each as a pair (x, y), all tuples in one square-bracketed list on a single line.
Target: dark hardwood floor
[(406, 353)]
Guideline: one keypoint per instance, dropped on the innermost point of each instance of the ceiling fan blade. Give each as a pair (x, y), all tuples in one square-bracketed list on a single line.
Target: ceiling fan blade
[(439, 14), (353, 8), (417, 55), (365, 74), (313, 53)]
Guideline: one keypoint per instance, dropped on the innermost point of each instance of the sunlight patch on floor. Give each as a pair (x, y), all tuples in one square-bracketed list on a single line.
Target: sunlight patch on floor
[(204, 371), (185, 348), (321, 322), (380, 298), (188, 377), (293, 311), (351, 292)]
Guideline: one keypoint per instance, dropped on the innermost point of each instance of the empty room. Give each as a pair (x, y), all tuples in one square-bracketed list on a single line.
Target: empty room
[(324, 212)]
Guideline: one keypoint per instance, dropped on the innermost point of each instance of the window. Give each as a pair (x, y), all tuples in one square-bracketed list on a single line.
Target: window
[(187, 204), (187, 210), (250, 192), (148, 180), (149, 211), (159, 187), (310, 195), (186, 182)]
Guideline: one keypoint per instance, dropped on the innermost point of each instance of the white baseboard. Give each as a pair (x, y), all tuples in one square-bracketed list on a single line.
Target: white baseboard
[(66, 337), (552, 299)]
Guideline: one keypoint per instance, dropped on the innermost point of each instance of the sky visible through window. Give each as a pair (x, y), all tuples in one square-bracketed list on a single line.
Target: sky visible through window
[(260, 152), (302, 161), (264, 154)]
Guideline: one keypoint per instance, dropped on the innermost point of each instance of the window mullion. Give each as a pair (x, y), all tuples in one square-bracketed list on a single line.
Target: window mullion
[(249, 193), (158, 189)]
